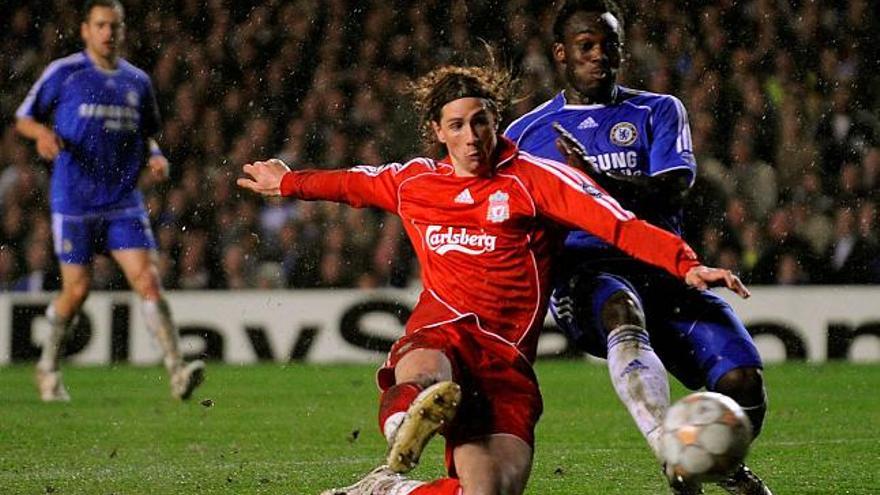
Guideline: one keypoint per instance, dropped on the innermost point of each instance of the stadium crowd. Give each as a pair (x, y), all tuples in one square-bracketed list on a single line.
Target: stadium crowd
[(783, 100)]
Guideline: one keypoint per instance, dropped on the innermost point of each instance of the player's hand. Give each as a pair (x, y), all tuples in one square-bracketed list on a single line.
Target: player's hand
[(573, 151), (160, 169), (264, 177), (49, 144), (704, 277)]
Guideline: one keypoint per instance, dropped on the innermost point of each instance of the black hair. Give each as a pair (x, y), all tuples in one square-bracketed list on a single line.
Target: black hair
[(91, 4), (571, 7)]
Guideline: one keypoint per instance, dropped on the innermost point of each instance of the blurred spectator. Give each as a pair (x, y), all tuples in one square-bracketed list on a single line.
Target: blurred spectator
[(193, 270), (796, 152), (753, 179), (851, 255), (788, 258), (238, 271), (41, 268), (813, 227), (8, 266), (843, 132), (789, 270), (871, 169), (752, 249), (269, 276)]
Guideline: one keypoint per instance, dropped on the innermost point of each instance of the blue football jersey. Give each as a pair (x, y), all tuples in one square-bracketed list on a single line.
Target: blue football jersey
[(104, 118), (639, 133)]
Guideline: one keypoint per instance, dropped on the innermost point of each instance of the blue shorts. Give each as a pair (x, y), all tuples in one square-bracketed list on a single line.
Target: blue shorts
[(695, 333), (79, 237)]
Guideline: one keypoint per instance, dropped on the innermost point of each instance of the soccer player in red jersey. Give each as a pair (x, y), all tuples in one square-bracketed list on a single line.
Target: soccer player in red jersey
[(484, 221)]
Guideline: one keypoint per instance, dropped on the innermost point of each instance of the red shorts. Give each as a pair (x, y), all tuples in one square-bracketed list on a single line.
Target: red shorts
[(499, 388)]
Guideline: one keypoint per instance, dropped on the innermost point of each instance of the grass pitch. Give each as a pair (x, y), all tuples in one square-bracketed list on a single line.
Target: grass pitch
[(298, 429)]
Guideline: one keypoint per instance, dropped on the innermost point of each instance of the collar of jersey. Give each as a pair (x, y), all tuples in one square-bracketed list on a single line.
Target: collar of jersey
[(109, 72), (566, 104), (506, 151)]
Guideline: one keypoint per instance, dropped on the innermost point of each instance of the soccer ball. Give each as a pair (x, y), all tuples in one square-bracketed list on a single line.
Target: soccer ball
[(705, 436)]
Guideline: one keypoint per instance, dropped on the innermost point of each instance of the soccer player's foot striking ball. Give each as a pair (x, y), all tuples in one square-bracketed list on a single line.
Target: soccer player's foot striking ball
[(186, 378), (380, 481), (430, 410), (744, 481), (51, 387), (681, 487)]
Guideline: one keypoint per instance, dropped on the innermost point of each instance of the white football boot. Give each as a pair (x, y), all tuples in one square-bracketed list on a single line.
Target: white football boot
[(430, 410), (51, 386), (380, 481), (186, 378)]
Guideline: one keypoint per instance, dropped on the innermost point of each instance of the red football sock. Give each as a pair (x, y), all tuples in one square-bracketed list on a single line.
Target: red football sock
[(396, 400), (443, 486)]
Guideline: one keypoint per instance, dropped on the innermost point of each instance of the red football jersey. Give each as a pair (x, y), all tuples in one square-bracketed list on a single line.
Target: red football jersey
[(485, 243)]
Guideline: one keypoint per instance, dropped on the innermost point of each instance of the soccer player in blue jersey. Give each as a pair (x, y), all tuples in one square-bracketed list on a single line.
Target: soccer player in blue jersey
[(637, 146), (95, 116)]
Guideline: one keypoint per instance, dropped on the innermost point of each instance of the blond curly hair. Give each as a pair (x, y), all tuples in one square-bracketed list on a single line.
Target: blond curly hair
[(450, 82)]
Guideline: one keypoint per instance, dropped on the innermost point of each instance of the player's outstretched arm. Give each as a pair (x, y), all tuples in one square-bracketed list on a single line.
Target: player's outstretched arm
[(704, 277), (264, 177), (570, 198)]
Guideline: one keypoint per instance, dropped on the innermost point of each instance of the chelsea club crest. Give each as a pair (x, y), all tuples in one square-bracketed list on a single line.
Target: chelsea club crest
[(499, 207), (623, 134)]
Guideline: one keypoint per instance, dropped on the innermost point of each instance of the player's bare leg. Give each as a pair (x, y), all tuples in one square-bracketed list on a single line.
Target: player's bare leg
[(429, 372), (638, 375), (61, 313), (746, 387), (139, 267), (495, 464)]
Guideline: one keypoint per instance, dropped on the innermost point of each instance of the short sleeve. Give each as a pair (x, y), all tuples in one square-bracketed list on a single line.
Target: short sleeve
[(671, 147), (43, 96)]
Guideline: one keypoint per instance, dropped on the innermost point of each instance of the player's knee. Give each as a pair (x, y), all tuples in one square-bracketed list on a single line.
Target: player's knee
[(76, 291), (424, 367), (742, 384), (512, 466), (746, 387), (150, 294), (146, 284), (426, 378), (512, 480), (622, 309), (477, 488), (499, 482)]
